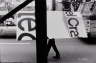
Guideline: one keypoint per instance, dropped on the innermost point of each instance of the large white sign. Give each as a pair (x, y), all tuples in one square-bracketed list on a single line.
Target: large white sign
[(26, 26), (75, 24), (56, 27), (62, 24)]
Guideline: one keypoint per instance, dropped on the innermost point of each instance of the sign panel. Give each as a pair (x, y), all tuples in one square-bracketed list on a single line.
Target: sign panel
[(26, 26), (67, 24), (61, 24), (75, 24), (56, 27)]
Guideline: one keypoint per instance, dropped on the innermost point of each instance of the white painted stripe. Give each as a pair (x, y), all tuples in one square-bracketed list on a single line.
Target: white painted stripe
[(15, 43)]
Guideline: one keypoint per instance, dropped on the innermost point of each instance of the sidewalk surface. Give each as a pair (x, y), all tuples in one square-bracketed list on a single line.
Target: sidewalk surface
[(71, 51), (74, 51)]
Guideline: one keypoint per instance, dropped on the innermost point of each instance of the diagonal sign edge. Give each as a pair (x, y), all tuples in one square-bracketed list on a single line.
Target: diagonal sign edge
[(15, 10)]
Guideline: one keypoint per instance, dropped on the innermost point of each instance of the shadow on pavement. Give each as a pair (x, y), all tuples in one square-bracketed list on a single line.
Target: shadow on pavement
[(90, 41)]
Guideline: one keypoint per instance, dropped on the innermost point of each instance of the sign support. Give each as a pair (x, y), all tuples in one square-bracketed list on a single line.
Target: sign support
[(41, 31)]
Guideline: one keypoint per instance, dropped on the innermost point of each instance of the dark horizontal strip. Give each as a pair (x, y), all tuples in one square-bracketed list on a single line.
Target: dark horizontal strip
[(17, 62), (93, 17), (19, 15)]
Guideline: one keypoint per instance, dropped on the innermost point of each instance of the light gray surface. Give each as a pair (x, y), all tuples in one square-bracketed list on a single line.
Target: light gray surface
[(11, 52), (71, 51), (74, 51)]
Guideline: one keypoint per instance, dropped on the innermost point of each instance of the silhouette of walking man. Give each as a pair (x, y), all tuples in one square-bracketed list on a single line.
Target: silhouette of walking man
[(51, 43)]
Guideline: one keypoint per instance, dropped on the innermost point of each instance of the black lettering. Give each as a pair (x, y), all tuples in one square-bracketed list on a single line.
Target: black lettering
[(74, 33), (26, 34), (29, 24), (69, 22), (69, 13)]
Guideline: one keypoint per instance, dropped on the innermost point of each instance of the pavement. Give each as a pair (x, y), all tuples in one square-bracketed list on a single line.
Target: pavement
[(71, 50), (17, 51), (74, 51)]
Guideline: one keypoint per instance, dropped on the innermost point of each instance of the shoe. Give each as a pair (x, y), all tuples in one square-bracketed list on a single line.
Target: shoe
[(56, 57)]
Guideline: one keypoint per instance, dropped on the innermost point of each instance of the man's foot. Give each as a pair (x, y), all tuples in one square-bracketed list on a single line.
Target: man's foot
[(56, 57)]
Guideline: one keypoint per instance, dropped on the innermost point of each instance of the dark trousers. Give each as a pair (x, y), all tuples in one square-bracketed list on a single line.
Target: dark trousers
[(51, 43)]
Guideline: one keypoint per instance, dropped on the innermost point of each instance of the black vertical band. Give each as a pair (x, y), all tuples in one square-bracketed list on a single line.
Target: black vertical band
[(41, 31)]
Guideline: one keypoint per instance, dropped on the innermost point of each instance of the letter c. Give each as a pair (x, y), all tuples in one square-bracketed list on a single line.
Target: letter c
[(69, 22)]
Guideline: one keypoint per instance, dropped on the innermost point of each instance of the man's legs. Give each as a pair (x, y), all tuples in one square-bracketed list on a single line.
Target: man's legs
[(55, 49), (48, 47), (51, 43)]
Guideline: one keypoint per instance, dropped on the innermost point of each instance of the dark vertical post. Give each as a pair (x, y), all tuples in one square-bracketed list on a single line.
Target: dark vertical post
[(54, 5), (41, 31)]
